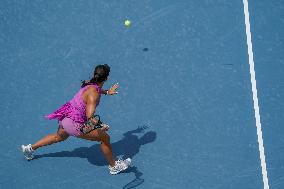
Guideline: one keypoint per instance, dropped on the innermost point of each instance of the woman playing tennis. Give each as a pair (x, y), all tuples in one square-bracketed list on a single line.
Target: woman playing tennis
[(78, 113)]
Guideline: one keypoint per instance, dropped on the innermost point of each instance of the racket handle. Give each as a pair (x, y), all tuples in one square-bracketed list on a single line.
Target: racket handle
[(104, 126)]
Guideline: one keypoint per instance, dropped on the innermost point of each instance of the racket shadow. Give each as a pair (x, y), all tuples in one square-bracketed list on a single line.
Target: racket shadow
[(135, 182)]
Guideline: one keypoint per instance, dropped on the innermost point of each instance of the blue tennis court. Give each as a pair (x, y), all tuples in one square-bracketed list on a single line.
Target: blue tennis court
[(184, 112)]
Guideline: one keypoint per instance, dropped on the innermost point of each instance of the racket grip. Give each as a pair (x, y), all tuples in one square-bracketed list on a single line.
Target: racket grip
[(104, 126), (88, 126)]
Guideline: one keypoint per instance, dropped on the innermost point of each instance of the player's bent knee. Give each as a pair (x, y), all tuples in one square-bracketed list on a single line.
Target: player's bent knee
[(59, 138), (104, 137)]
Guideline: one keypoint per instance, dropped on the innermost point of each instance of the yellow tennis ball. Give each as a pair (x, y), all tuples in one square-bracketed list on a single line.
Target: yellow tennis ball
[(127, 23)]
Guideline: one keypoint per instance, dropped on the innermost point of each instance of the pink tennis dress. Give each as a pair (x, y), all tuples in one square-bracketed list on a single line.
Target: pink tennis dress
[(73, 113)]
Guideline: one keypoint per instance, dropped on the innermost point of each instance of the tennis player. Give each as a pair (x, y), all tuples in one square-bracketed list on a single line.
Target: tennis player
[(78, 112)]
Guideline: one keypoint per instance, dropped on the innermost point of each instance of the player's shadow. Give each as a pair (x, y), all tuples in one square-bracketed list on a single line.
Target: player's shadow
[(128, 146)]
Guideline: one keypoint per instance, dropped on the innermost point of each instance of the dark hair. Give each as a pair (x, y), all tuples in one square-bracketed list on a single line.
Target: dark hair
[(100, 74)]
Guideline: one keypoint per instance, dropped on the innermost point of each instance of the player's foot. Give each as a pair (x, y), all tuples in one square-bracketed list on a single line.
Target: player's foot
[(28, 151), (120, 165)]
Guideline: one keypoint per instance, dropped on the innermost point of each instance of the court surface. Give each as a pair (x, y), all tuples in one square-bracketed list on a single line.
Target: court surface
[(185, 111)]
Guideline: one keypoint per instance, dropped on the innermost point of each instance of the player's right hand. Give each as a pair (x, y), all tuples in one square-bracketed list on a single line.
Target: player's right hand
[(105, 127)]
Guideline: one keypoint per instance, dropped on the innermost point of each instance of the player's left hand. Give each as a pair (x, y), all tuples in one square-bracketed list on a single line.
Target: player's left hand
[(112, 90)]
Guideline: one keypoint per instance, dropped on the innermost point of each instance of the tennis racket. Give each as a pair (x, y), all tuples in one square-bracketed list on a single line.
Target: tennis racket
[(93, 123)]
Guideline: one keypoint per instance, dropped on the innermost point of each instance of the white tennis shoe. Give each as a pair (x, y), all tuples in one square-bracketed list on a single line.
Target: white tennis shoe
[(120, 165), (28, 151)]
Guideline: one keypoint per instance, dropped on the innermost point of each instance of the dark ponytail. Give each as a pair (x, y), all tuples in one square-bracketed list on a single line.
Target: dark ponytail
[(100, 74)]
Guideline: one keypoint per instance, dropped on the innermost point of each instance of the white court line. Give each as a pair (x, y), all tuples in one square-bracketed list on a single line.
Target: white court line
[(255, 99)]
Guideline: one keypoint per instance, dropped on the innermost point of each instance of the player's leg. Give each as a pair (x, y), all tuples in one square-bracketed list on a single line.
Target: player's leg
[(104, 138), (60, 136), (28, 150)]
